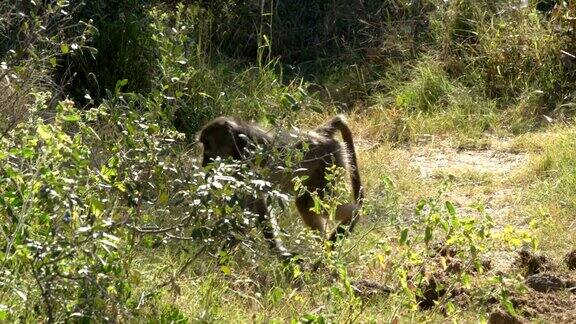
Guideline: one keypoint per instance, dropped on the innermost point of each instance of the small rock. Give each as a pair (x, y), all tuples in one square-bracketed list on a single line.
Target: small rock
[(534, 263), (545, 283), (365, 288), (501, 317), (570, 260)]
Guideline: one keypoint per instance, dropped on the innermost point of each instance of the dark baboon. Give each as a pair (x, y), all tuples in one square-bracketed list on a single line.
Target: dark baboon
[(226, 137), (545, 6)]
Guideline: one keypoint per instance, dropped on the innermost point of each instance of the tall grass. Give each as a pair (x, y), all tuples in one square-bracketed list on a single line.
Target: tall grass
[(552, 176)]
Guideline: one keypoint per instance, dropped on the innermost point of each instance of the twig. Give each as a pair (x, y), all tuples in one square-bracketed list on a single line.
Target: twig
[(170, 280)]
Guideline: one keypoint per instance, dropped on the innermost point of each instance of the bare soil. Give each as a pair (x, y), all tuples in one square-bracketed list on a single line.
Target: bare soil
[(557, 307), (476, 177), (431, 158), (487, 177), (532, 263)]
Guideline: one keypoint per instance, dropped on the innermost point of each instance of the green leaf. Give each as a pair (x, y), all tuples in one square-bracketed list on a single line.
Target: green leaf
[(466, 281), (450, 307), (96, 207), (450, 208), (337, 292), (64, 48), (404, 236), (288, 101), (163, 197), (509, 306), (120, 186), (276, 295), (428, 235), (226, 270), (420, 206), (317, 206), (53, 61), (445, 225), (44, 132), (71, 117), (311, 318), (28, 153), (119, 85), (108, 174), (296, 272), (113, 161)]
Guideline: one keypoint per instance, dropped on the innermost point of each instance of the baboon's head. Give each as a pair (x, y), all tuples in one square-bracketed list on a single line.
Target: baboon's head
[(222, 137)]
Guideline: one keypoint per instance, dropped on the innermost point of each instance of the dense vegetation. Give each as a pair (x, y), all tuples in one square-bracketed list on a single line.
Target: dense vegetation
[(105, 214)]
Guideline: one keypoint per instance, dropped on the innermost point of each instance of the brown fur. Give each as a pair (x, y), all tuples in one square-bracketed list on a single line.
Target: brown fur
[(226, 137)]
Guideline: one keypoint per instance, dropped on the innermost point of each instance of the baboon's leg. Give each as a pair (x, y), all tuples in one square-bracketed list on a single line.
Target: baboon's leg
[(310, 218), (347, 214), (269, 227)]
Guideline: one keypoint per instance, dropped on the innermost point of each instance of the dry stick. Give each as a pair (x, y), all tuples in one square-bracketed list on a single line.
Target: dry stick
[(357, 241), (45, 296), (155, 230)]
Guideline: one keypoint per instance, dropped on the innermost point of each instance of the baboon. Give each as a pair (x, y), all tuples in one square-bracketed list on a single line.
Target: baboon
[(545, 6), (227, 137)]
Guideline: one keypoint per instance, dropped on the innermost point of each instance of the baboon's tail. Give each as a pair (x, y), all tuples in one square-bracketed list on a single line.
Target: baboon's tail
[(339, 123)]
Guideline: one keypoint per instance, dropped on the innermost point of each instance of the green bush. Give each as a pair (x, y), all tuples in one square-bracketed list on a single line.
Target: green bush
[(83, 193), (521, 54), (106, 216), (506, 51), (62, 253)]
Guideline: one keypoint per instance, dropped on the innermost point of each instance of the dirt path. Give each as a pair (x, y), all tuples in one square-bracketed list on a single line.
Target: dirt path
[(474, 176)]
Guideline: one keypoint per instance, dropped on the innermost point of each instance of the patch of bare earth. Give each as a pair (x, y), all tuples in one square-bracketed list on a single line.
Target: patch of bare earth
[(486, 177), (475, 177), (431, 158)]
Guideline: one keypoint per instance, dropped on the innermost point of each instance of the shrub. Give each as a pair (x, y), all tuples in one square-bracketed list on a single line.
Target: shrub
[(32, 45), (63, 256), (81, 192), (521, 52)]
